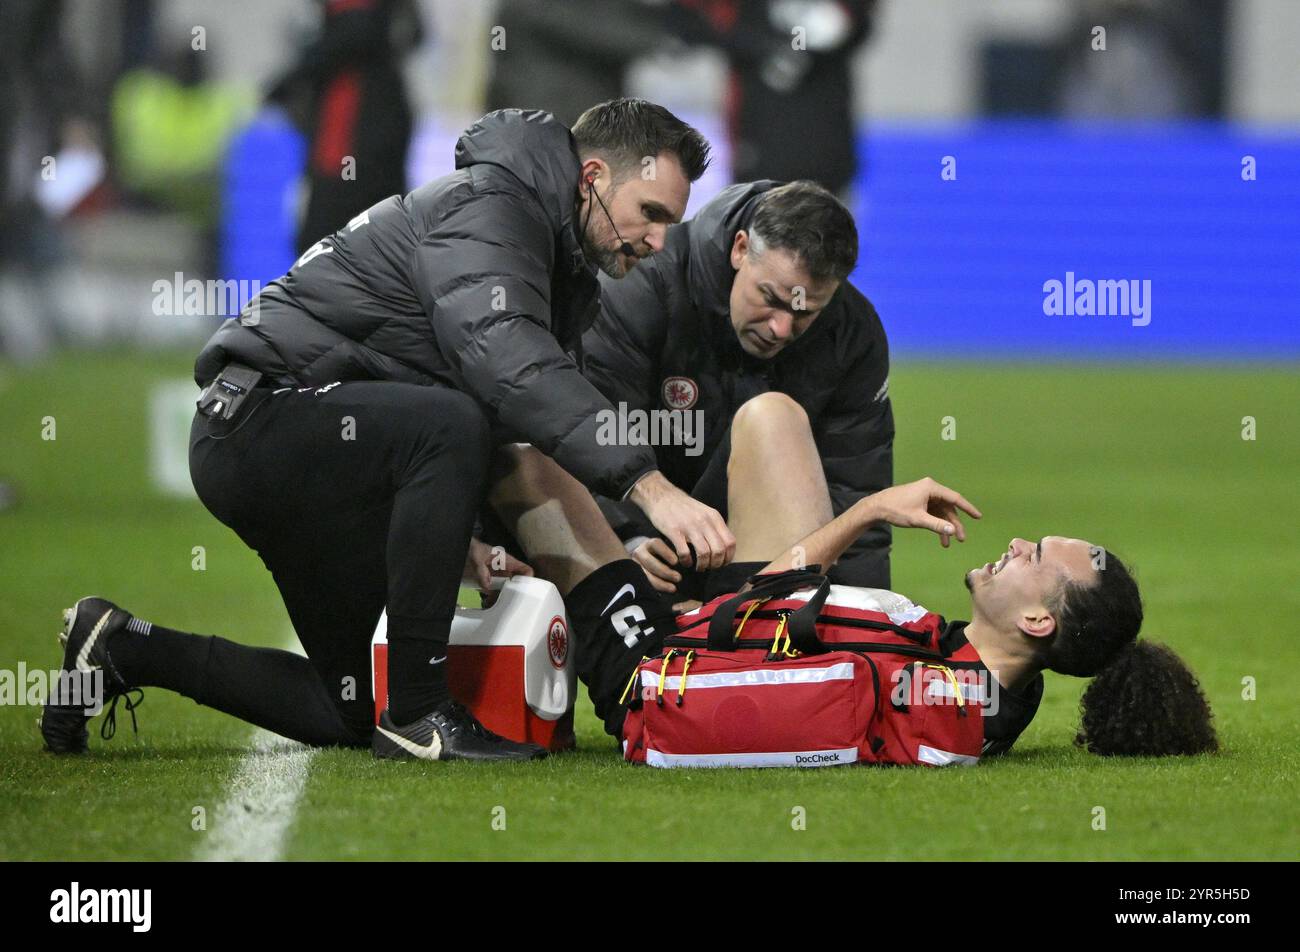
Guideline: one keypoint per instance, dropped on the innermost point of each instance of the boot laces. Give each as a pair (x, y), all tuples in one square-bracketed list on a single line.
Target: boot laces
[(109, 727)]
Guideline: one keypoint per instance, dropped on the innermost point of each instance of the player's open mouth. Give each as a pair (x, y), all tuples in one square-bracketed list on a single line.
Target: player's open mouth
[(993, 568)]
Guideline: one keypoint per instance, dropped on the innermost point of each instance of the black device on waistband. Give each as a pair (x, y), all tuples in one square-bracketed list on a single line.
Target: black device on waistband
[(222, 398)]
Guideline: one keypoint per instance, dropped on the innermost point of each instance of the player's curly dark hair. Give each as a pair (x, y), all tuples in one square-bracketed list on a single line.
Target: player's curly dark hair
[(1143, 699), (1146, 702), (1094, 621)]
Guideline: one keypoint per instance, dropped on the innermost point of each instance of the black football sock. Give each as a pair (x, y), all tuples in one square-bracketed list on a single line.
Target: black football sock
[(277, 690), (617, 618), (417, 667)]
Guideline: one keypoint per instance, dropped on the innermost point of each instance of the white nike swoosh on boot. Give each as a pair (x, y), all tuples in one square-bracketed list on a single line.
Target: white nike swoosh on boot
[(424, 753), (619, 594), (438, 660), (83, 656)]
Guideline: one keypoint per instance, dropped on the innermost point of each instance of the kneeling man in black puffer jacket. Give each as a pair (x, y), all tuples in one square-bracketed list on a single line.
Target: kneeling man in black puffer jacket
[(350, 412)]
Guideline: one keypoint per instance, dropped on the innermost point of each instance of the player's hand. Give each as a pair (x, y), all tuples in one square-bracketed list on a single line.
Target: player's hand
[(924, 504), (686, 523), (657, 559), (483, 562)]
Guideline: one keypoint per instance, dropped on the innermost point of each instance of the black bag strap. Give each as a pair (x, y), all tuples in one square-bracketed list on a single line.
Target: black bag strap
[(801, 624)]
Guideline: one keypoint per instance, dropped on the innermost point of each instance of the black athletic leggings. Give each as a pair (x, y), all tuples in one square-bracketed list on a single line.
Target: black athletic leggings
[(356, 495)]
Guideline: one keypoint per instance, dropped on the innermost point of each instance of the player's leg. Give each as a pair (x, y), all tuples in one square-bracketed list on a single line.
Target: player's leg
[(766, 478), (552, 516), (776, 488), (616, 616)]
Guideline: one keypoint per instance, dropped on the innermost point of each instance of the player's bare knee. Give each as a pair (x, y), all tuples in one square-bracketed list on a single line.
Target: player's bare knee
[(768, 410)]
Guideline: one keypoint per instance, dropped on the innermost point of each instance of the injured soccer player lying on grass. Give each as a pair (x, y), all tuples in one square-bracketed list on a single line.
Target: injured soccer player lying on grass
[(860, 675), (791, 671)]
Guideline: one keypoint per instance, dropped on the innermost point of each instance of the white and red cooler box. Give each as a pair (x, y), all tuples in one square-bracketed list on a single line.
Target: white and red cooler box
[(511, 664)]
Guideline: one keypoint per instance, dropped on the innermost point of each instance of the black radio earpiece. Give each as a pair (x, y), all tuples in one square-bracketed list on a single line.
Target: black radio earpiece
[(625, 247)]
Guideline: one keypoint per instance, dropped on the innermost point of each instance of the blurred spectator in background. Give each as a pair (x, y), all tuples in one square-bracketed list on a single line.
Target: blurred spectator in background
[(348, 93), (1163, 59), (171, 124), (565, 56), (53, 165), (790, 101)]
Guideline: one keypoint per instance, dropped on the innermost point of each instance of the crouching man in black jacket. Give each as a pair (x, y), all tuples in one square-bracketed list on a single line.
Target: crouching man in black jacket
[(349, 415), (737, 343)]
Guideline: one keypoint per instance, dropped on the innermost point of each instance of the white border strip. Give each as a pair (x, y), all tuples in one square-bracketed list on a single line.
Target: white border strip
[(759, 677), (973, 693), (944, 758), (786, 758)]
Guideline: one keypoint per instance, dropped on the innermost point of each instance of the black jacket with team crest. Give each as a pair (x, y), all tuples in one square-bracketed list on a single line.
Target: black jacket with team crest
[(670, 318), (476, 281)]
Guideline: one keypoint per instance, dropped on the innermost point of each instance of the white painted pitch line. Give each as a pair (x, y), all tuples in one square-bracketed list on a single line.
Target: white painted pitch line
[(253, 821)]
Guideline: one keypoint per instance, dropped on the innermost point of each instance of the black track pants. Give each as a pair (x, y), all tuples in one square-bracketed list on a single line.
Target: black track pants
[(357, 496)]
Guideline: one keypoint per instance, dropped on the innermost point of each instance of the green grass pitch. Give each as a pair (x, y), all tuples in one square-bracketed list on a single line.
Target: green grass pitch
[(1150, 461)]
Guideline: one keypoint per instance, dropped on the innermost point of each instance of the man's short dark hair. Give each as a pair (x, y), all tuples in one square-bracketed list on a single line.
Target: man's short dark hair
[(625, 131), (811, 223), (1094, 621)]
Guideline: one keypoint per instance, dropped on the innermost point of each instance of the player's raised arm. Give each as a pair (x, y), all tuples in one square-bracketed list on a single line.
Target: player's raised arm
[(924, 504)]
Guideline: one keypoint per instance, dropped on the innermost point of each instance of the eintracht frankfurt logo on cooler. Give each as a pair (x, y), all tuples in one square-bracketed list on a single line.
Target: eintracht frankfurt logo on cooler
[(557, 642), (680, 393)]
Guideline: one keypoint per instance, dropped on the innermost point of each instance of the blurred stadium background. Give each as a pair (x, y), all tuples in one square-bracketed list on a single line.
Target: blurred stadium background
[(1122, 163), (986, 147)]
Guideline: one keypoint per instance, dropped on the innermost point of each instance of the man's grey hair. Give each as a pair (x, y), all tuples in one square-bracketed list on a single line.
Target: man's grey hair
[(811, 223)]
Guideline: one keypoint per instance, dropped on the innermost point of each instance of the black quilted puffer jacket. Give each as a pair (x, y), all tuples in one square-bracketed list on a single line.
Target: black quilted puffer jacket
[(474, 281), (664, 338)]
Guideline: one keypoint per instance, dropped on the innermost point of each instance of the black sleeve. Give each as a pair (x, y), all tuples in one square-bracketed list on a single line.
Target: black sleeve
[(855, 436), (626, 518), (621, 357), (622, 347), (483, 276)]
